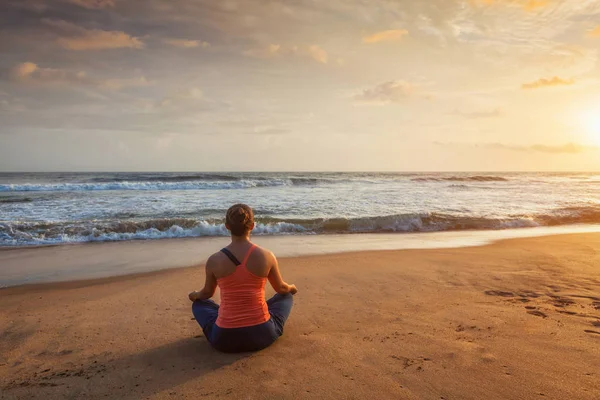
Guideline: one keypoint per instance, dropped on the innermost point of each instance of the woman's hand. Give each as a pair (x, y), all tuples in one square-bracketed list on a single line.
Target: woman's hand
[(293, 289), (193, 296)]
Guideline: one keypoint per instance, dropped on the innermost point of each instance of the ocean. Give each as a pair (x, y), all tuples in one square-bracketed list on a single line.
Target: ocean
[(59, 208)]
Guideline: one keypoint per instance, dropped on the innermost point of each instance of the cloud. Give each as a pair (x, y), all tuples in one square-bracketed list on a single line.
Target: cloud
[(318, 54), (186, 43), (595, 32), (77, 38), (527, 5), (120, 83), (496, 112), (30, 5), (191, 94), (93, 4), (569, 148), (388, 92), (314, 52), (269, 51), (385, 36), (543, 82), (31, 73), (506, 38), (187, 103), (24, 70), (532, 5)]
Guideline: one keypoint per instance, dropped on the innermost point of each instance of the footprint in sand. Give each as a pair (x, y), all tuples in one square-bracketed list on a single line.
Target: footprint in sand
[(537, 313), (580, 296), (567, 312), (499, 293), (528, 293), (558, 301), (522, 300), (506, 370), (523, 296)]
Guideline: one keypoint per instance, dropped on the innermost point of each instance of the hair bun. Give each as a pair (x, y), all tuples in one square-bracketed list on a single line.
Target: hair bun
[(239, 219)]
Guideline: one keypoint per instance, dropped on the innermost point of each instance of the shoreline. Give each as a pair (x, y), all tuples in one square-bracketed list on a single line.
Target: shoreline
[(469, 323), (83, 261), (512, 233), (113, 279)]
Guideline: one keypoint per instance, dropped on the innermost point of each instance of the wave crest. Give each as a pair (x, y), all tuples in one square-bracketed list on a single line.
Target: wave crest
[(162, 185), (127, 185), (474, 178), (19, 233), (167, 178)]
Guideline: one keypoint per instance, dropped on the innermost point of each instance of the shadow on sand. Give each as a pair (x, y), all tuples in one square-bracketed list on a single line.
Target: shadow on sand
[(139, 375)]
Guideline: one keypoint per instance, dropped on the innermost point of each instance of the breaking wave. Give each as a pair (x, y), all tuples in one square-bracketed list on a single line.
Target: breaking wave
[(168, 178), (165, 184), (474, 178), (145, 185), (31, 233)]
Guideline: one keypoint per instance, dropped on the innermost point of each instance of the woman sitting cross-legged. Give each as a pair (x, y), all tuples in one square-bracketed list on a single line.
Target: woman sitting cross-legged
[(244, 321)]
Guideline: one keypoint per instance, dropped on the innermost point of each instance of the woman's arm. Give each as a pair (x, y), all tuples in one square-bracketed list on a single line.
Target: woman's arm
[(210, 284), (277, 281)]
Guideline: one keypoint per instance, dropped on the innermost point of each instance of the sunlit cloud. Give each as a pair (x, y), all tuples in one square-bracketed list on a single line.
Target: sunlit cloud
[(186, 43), (389, 92), (543, 82), (569, 148), (532, 5), (385, 36), (75, 37), (314, 52), (527, 5), (93, 4), (31, 73), (24, 70), (595, 32), (318, 54)]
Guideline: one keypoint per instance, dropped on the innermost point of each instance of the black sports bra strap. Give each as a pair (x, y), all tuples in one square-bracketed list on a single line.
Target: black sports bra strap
[(230, 256)]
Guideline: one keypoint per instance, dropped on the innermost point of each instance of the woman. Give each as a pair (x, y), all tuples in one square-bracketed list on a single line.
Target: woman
[(244, 321)]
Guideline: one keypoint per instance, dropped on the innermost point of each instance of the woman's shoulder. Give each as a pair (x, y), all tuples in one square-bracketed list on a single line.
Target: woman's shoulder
[(214, 259), (258, 254), (262, 253)]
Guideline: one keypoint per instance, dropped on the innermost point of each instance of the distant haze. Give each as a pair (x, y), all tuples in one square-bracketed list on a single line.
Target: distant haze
[(256, 85)]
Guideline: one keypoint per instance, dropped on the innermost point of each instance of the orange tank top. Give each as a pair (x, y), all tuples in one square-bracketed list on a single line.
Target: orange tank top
[(242, 297)]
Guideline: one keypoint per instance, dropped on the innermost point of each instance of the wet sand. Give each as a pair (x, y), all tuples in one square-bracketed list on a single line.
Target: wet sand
[(517, 319), (26, 265)]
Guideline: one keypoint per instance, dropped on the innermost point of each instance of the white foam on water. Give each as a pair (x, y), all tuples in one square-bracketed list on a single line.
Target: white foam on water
[(145, 186)]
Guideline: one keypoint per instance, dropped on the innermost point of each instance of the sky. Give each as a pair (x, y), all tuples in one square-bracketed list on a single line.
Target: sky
[(257, 85)]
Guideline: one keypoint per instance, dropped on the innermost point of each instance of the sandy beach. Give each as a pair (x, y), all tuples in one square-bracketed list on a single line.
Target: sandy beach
[(517, 319)]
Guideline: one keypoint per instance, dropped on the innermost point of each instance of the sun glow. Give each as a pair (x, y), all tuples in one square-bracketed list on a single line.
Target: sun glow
[(590, 119)]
